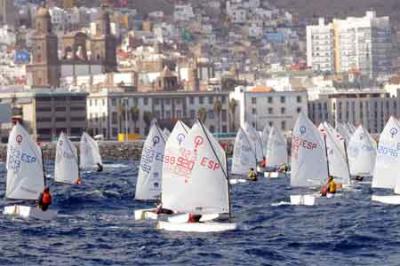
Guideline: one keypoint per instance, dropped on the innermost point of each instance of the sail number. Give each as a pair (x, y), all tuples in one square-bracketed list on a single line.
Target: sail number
[(210, 164)]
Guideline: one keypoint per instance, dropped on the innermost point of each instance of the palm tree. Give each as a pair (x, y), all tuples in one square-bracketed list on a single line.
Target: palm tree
[(202, 114), (147, 118), (134, 111), (217, 109), (120, 111), (232, 108)]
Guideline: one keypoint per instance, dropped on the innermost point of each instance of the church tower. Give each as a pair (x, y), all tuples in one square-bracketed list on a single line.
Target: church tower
[(45, 68), (104, 43)]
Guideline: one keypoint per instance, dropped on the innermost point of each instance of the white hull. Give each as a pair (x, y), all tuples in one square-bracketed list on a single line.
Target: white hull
[(183, 218), (307, 200), (146, 214), (393, 199), (29, 212), (235, 181), (196, 227), (274, 175), (260, 169)]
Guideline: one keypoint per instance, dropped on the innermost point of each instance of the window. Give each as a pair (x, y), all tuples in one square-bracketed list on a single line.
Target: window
[(114, 118), (210, 114), (283, 99), (201, 99), (44, 119), (299, 99), (113, 102), (156, 101), (212, 129), (78, 108), (61, 119), (145, 100), (253, 100), (283, 110), (114, 132), (210, 99), (223, 99), (76, 131), (192, 114), (60, 109), (168, 114), (269, 99), (253, 111), (224, 128), (224, 115), (78, 119), (283, 125), (271, 123), (179, 114), (298, 110), (157, 114), (167, 101), (270, 110), (191, 100), (43, 109), (78, 98), (44, 131)]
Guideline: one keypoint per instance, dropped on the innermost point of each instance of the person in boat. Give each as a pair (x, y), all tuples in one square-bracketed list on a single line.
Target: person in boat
[(263, 162), (45, 199), (78, 181), (359, 178), (194, 218), (99, 167), (330, 187), (252, 175), (283, 168), (160, 210)]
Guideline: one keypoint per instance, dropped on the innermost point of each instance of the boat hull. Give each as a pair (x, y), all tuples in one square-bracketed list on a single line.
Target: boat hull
[(196, 227), (234, 181), (274, 175), (29, 212), (306, 200), (183, 218), (392, 199), (145, 214)]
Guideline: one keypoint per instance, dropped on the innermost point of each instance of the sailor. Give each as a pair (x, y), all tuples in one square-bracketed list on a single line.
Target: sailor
[(45, 199), (194, 218), (78, 181), (252, 175), (160, 210), (99, 167), (332, 185), (283, 168), (359, 178), (263, 162)]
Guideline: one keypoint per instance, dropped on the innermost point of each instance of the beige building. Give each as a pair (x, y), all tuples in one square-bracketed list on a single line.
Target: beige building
[(45, 113), (369, 107)]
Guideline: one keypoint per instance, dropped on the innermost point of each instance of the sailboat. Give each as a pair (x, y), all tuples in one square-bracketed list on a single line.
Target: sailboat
[(148, 185), (255, 141), (276, 153), (66, 168), (344, 132), (90, 155), (309, 166), (336, 152), (244, 157), (25, 175), (197, 182), (362, 153), (387, 167)]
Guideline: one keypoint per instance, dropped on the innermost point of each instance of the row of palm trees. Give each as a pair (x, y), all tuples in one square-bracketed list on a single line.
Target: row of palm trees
[(132, 114)]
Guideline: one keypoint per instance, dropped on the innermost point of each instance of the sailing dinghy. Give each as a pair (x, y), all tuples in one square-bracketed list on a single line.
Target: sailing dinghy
[(387, 166), (25, 175), (148, 185), (90, 155), (308, 160), (197, 182), (276, 153), (255, 140), (66, 168), (243, 158), (362, 153)]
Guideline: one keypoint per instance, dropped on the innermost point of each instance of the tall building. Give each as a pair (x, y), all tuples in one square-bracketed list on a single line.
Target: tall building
[(355, 43), (44, 72)]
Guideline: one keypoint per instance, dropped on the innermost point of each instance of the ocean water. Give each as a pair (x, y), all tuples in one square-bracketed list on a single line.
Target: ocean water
[(95, 226)]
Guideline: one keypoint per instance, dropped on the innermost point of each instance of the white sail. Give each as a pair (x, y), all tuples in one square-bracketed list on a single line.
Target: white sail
[(255, 140), (197, 180), (25, 178), (308, 157), (243, 155), (344, 132), (89, 150), (362, 153), (66, 164), (277, 148), (148, 186), (265, 137), (338, 166), (387, 166)]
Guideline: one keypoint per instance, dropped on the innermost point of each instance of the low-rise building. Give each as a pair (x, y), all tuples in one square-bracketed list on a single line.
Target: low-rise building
[(261, 105), (111, 112), (369, 107)]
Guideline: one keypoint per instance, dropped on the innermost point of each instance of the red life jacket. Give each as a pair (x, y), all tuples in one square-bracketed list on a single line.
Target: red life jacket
[(46, 198)]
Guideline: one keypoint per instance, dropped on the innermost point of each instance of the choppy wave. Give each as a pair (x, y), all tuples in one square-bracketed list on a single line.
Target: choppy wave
[(95, 226)]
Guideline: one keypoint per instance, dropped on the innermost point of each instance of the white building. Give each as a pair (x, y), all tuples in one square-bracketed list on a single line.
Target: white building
[(369, 107), (262, 105), (362, 44), (106, 111)]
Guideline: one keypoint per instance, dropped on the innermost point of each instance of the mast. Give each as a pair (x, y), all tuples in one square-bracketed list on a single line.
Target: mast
[(44, 170), (326, 153), (346, 156)]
